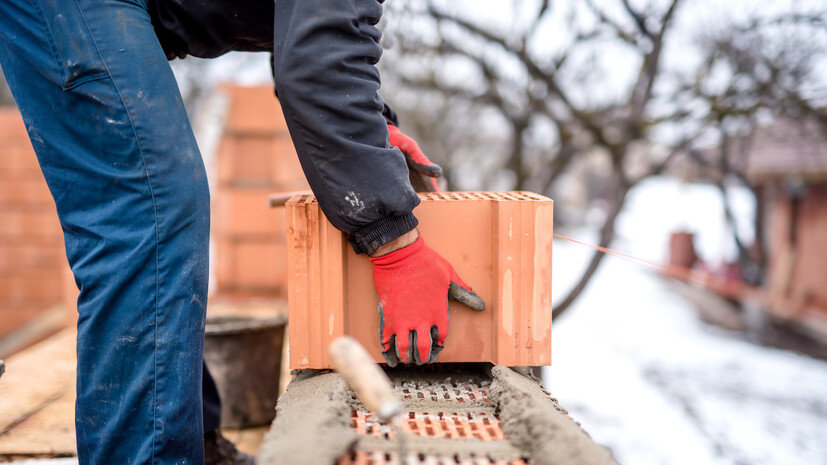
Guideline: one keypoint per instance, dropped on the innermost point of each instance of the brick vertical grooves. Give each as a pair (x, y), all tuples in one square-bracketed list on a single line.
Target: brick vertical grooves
[(499, 243), (255, 159), (32, 254)]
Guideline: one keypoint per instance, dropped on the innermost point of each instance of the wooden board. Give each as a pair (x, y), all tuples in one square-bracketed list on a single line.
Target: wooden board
[(49, 432), (37, 399)]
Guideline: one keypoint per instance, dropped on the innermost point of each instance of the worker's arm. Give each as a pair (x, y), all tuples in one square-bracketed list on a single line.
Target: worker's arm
[(325, 53), (327, 83)]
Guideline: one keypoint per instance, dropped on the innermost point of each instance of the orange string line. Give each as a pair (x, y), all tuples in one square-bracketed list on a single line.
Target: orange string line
[(673, 271), (607, 251)]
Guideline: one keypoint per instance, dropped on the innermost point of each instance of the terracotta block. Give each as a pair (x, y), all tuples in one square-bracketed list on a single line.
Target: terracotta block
[(250, 265), (259, 162), (31, 192), (30, 226), (245, 212), (11, 124), (254, 109), (14, 257), (499, 243), (29, 288), (18, 160)]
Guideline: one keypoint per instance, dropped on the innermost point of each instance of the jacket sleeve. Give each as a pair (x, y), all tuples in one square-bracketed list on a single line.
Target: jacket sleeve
[(325, 53), (210, 29)]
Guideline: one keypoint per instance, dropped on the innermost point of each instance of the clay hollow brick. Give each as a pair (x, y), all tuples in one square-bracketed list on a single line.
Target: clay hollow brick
[(250, 266), (32, 255), (259, 161), (255, 158), (499, 243), (245, 213)]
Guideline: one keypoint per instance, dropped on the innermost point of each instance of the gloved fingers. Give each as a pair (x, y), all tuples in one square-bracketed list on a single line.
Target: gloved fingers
[(413, 154), (464, 295), (389, 352), (422, 165), (422, 183), (403, 346), (383, 338), (422, 343), (439, 343)]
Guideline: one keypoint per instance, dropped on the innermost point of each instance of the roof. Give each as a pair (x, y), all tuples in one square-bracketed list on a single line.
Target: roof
[(784, 149), (789, 148)]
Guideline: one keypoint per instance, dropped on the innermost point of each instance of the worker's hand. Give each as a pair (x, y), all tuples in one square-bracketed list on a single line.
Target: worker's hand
[(414, 284), (417, 161)]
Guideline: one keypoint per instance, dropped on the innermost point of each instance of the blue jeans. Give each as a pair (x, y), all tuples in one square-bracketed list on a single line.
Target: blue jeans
[(114, 143)]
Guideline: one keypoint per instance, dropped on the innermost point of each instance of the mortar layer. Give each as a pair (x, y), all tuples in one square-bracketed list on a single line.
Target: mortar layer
[(439, 386), (312, 422), (535, 423), (463, 449)]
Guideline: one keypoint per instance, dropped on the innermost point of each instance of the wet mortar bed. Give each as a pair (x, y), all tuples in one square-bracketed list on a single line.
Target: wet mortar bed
[(457, 414)]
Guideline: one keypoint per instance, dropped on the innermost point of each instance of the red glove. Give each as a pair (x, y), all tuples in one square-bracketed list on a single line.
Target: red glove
[(413, 285), (417, 161)]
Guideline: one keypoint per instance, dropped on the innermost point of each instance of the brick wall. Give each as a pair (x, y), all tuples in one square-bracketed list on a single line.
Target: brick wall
[(798, 245), (255, 158), (32, 257), (798, 252), (810, 274)]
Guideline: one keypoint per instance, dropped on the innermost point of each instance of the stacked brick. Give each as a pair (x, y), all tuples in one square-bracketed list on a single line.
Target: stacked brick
[(255, 159), (32, 257)]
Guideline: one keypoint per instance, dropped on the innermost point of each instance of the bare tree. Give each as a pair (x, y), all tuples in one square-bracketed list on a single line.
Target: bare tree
[(770, 64), (481, 71)]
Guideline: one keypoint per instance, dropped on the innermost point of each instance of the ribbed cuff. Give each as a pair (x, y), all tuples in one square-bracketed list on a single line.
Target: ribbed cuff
[(371, 236), (390, 115)]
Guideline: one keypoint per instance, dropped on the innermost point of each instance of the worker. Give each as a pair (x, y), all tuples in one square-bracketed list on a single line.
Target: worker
[(113, 141)]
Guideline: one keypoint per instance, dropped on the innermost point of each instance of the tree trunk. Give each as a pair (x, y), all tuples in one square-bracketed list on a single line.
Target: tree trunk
[(607, 233)]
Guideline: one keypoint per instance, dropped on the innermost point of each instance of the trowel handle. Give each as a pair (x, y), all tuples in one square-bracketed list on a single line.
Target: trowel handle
[(371, 385)]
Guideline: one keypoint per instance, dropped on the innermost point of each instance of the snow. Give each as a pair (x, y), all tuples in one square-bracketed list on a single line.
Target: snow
[(645, 377)]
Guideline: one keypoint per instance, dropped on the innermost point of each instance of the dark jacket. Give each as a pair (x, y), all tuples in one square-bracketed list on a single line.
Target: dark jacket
[(325, 52)]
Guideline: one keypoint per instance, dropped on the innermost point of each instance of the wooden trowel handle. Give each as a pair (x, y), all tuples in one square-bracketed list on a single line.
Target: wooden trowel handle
[(364, 377)]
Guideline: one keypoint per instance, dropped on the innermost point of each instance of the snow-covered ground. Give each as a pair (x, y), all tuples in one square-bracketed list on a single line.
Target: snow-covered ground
[(634, 365)]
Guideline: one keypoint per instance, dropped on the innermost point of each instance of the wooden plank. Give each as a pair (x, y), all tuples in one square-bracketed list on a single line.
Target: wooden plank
[(49, 432), (35, 378), (37, 396)]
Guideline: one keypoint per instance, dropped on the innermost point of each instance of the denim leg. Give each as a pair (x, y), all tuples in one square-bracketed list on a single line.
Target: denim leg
[(114, 143)]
